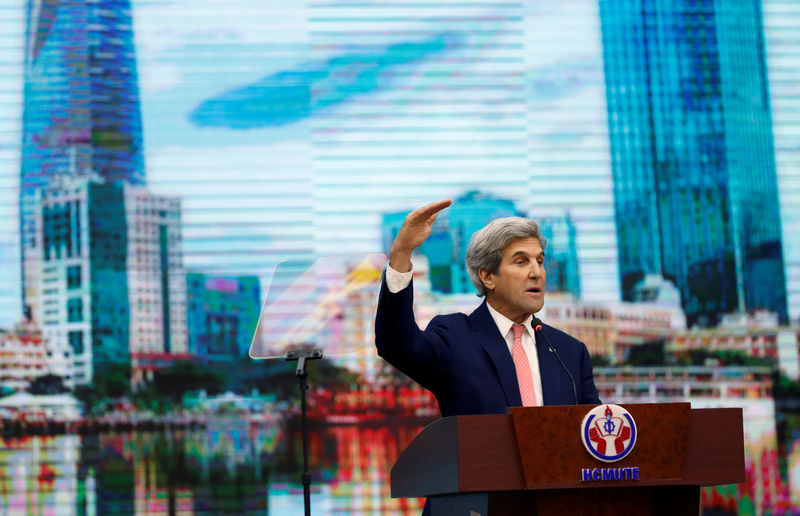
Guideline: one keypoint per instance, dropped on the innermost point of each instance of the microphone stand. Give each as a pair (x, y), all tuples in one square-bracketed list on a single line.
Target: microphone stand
[(539, 330), (301, 374)]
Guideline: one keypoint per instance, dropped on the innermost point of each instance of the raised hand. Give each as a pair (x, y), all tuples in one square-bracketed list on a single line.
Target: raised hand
[(415, 230)]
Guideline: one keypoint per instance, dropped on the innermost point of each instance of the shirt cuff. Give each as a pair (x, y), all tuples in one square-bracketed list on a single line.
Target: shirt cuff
[(397, 281)]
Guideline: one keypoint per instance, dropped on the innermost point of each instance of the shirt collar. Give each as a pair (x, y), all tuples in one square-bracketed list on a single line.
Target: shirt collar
[(504, 323)]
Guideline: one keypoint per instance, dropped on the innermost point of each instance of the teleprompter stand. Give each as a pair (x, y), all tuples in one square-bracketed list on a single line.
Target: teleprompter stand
[(302, 376), (305, 298)]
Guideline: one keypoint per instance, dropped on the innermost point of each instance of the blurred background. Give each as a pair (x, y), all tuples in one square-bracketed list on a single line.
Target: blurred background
[(159, 158)]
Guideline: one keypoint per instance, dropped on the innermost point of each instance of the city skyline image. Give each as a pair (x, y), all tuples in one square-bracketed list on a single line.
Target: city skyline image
[(159, 159)]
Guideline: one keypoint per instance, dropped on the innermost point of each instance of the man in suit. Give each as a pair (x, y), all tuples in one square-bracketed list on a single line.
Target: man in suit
[(498, 356)]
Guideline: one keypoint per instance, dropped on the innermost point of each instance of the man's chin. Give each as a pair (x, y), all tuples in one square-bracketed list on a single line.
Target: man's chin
[(533, 308)]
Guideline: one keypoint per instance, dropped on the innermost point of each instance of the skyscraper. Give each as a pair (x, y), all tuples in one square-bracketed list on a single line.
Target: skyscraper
[(561, 255), (82, 292), (156, 279), (222, 314), (81, 107), (102, 266), (692, 153), (781, 23), (111, 277)]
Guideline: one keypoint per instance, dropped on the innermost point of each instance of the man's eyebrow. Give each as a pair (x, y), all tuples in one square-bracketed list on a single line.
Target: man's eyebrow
[(526, 253)]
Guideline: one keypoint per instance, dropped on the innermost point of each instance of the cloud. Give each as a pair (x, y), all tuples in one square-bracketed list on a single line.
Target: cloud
[(565, 79), (292, 95), (159, 77)]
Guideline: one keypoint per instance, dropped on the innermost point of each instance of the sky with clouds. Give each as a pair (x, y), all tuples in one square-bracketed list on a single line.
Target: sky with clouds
[(288, 128), (262, 116)]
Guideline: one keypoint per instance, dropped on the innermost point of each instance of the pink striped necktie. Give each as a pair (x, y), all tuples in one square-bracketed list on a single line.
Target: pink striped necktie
[(523, 367)]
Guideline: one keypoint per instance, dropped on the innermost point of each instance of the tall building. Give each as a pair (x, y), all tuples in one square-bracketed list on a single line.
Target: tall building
[(222, 314), (81, 105), (78, 233), (692, 153), (561, 255), (156, 278), (781, 23), (110, 273)]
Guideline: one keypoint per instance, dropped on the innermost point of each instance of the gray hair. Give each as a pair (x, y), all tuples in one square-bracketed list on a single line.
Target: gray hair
[(485, 250)]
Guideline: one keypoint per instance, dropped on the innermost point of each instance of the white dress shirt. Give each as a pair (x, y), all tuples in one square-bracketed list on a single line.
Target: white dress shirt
[(397, 281)]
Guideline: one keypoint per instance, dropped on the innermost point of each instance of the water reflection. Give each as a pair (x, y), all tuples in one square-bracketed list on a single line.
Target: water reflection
[(228, 467), (39, 475), (353, 464)]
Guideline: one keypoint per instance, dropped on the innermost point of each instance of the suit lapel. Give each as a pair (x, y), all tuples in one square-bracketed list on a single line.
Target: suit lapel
[(546, 371), (485, 331)]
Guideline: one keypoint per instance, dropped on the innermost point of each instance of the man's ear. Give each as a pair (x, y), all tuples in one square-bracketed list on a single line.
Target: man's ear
[(487, 278)]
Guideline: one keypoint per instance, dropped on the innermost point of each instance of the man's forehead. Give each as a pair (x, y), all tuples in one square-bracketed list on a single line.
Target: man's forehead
[(528, 245)]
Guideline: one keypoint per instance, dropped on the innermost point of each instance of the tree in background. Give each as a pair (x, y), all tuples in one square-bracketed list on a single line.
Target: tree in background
[(47, 384), (187, 376)]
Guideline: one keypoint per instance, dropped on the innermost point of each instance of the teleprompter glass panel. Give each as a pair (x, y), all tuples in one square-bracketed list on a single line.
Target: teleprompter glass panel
[(325, 303)]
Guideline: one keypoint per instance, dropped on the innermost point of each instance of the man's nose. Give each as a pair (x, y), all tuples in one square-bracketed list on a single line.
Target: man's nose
[(536, 269)]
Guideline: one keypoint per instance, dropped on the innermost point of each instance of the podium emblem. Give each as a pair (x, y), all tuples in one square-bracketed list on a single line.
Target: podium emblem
[(608, 432)]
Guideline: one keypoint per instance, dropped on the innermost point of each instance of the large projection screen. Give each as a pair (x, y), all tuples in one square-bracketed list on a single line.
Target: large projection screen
[(160, 158)]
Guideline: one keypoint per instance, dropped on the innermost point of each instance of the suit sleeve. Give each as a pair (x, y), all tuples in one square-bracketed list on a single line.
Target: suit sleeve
[(421, 355)]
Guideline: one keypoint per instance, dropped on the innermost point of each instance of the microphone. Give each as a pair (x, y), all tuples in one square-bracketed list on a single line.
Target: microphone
[(537, 328)]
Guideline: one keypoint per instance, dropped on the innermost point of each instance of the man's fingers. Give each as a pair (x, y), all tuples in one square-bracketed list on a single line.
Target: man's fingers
[(432, 218), (428, 213)]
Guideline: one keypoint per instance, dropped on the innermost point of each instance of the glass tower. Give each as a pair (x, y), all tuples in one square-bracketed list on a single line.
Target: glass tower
[(81, 105), (692, 153), (222, 312), (781, 23)]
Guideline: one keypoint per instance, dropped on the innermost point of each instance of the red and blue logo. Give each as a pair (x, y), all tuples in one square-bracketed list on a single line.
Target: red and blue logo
[(608, 432)]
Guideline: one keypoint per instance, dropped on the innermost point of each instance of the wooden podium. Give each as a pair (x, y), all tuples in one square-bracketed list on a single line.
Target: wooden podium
[(532, 462)]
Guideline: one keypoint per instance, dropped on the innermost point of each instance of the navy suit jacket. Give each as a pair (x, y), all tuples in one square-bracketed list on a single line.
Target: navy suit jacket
[(464, 360)]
